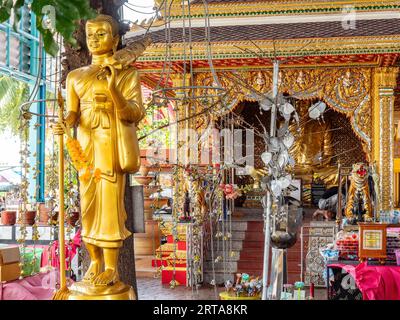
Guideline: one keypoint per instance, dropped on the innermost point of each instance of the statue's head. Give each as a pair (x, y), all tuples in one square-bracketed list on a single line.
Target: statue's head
[(102, 34), (302, 108)]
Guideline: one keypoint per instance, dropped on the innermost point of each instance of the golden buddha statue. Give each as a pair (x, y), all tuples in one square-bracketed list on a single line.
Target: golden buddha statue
[(104, 101), (313, 148)]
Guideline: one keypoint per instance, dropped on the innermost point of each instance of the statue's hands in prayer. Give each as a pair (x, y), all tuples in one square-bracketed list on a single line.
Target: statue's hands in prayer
[(116, 95), (110, 76)]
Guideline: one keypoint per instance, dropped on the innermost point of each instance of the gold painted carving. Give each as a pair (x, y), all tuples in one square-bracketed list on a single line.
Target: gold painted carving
[(274, 7), (384, 84), (346, 90)]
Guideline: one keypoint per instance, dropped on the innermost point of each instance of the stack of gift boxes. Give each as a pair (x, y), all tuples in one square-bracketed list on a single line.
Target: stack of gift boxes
[(347, 245), (9, 263), (392, 242), (172, 257)]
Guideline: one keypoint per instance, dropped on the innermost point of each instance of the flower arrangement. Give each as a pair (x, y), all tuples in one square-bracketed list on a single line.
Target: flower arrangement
[(231, 191), (80, 161), (245, 285)]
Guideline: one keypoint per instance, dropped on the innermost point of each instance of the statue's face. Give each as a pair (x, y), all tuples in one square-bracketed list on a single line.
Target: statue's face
[(99, 37)]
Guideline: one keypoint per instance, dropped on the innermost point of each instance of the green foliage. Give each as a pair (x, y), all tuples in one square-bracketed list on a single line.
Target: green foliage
[(12, 94), (66, 14), (148, 133)]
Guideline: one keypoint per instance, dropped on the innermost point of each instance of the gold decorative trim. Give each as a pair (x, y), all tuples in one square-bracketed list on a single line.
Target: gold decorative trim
[(346, 90), (280, 7), (287, 47), (384, 82)]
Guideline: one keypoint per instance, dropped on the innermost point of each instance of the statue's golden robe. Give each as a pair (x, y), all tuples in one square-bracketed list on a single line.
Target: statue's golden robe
[(102, 202)]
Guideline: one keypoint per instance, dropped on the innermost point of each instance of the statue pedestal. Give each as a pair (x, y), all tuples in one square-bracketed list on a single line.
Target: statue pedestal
[(85, 291)]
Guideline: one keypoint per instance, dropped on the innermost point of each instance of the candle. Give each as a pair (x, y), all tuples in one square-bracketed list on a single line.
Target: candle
[(312, 290)]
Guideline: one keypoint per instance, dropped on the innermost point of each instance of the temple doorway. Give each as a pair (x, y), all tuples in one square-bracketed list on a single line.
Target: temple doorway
[(320, 145)]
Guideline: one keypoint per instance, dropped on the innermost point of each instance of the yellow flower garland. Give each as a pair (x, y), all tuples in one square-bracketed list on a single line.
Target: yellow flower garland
[(80, 162)]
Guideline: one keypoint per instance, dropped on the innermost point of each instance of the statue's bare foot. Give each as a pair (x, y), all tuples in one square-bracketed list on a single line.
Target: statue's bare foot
[(92, 272), (108, 277)]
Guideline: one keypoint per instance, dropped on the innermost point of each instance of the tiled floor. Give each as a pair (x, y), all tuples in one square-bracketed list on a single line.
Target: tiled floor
[(151, 289)]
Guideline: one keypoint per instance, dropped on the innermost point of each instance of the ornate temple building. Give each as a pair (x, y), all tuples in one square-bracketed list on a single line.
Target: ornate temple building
[(345, 54)]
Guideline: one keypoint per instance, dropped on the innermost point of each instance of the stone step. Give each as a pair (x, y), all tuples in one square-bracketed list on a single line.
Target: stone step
[(255, 226), (252, 253), (229, 265), (235, 226), (143, 266), (219, 277), (253, 245), (251, 264), (217, 253), (235, 245), (255, 236)]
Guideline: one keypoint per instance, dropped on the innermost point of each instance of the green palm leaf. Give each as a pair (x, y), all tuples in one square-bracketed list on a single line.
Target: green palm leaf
[(12, 94)]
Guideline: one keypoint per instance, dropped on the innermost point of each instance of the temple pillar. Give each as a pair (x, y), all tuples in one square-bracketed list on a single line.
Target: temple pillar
[(384, 83)]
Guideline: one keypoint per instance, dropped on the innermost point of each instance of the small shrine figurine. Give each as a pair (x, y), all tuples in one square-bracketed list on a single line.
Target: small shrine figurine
[(228, 285), (186, 207)]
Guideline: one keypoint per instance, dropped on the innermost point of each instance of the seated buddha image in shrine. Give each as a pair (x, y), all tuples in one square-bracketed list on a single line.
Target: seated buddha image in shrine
[(319, 145), (313, 147)]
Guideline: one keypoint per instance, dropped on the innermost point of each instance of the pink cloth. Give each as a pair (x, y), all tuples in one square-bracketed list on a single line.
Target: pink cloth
[(375, 282), (37, 287), (70, 252)]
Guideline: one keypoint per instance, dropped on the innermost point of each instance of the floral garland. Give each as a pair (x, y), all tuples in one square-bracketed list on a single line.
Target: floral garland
[(81, 162)]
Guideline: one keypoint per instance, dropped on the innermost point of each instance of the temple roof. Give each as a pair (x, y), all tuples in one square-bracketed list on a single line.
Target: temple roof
[(328, 29), (227, 1)]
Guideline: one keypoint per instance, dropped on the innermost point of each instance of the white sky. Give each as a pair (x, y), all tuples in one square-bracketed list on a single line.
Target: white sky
[(138, 5), (9, 149)]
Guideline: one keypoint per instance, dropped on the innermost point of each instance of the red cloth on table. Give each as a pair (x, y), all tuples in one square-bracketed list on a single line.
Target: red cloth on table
[(70, 251), (375, 282)]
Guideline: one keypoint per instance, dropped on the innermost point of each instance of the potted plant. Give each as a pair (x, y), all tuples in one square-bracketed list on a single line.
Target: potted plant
[(43, 213), (73, 205), (28, 215), (8, 217)]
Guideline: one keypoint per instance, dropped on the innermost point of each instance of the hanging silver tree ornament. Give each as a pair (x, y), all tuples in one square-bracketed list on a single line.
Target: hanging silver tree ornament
[(273, 144), (285, 181), (265, 104), (276, 188), (266, 157), (283, 159), (288, 140), (286, 110), (316, 111)]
